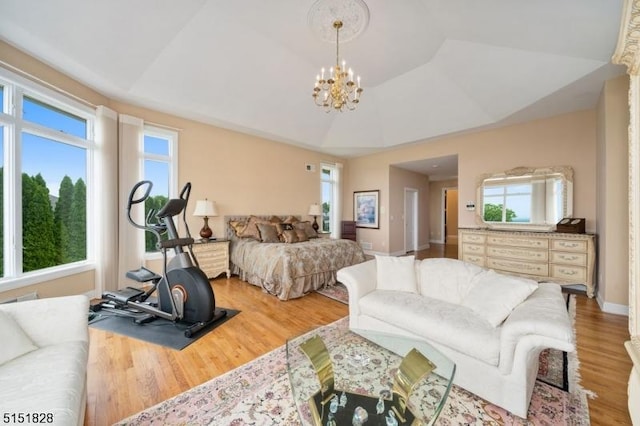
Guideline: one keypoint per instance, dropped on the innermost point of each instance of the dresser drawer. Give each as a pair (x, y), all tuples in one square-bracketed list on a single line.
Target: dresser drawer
[(569, 245), (578, 259), (473, 238), (518, 253), (517, 267), (569, 273), (528, 242), (472, 249), (476, 260)]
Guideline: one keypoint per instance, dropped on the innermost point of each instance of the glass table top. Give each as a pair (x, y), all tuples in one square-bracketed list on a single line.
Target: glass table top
[(341, 376)]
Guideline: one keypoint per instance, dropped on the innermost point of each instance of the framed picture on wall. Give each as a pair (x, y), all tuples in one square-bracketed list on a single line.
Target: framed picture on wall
[(366, 209)]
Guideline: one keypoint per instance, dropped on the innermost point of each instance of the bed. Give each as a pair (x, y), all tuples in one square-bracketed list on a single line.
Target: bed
[(287, 270)]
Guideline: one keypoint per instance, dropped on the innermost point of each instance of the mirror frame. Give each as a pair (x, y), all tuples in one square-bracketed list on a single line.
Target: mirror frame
[(566, 173)]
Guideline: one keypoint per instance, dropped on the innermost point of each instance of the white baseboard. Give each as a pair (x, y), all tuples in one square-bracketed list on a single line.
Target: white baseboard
[(440, 241), (612, 308)]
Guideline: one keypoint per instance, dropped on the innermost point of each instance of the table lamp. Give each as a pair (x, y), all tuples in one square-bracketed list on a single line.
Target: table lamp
[(205, 209), (315, 211)]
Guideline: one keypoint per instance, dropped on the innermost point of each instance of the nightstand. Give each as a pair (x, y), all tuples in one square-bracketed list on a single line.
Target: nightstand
[(213, 257)]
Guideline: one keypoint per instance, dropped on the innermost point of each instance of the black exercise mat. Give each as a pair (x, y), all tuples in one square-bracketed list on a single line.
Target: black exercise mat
[(159, 331)]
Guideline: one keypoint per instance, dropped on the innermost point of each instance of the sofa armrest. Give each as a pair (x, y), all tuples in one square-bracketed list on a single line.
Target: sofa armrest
[(541, 321), (360, 280), (53, 320)]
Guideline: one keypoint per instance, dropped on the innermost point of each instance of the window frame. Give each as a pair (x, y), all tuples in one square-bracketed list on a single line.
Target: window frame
[(171, 158), (333, 222), (13, 125)]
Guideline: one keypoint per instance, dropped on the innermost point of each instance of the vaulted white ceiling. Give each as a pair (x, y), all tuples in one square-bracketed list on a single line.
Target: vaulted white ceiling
[(429, 67)]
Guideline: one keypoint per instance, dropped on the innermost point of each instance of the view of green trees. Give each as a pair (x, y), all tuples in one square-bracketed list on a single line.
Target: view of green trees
[(155, 203), (54, 230), (493, 213)]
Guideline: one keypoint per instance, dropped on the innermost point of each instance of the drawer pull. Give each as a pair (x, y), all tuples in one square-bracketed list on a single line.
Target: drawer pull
[(568, 272)]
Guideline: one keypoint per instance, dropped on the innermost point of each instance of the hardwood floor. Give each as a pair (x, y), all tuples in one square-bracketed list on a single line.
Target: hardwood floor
[(126, 375)]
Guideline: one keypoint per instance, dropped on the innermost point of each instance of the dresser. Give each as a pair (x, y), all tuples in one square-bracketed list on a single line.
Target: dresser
[(348, 230), (213, 257), (544, 256)]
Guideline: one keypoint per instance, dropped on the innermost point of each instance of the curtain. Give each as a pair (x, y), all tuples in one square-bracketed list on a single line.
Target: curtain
[(106, 199), (336, 219), (131, 240)]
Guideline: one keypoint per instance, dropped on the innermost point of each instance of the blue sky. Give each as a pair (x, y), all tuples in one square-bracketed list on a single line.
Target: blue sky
[(54, 160)]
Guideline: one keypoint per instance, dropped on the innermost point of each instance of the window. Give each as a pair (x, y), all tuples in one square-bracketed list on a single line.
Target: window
[(329, 189), (507, 203), (159, 163), (46, 146)]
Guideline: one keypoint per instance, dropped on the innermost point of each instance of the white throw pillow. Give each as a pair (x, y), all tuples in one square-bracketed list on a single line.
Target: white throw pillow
[(493, 296), (446, 279), (396, 273), (15, 342)]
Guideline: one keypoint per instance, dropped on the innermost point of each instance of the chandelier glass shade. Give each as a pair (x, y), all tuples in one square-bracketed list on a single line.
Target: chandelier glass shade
[(336, 89)]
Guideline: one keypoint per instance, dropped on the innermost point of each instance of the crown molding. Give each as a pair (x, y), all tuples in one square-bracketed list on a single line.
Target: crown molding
[(628, 48)]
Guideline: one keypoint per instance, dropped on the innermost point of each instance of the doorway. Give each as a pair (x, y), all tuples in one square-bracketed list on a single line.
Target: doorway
[(410, 220), (450, 215)]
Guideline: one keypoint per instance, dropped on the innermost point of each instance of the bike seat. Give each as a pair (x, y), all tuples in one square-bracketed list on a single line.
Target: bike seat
[(143, 275)]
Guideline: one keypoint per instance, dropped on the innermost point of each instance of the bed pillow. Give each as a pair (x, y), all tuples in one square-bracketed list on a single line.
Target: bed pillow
[(268, 233), (291, 219), (493, 296), (289, 236), (396, 273), (307, 228), (14, 340), (237, 226), (275, 219), (301, 234), (251, 229)]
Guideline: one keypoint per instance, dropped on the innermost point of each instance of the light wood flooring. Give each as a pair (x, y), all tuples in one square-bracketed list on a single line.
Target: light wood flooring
[(126, 375)]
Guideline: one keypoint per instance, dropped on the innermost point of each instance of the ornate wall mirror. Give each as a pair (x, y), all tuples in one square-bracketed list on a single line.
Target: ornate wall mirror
[(525, 198)]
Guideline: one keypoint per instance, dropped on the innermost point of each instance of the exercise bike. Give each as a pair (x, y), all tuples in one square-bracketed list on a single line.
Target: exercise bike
[(184, 293)]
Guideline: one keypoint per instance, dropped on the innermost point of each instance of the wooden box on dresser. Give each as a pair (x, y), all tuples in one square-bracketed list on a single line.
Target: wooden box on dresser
[(543, 256), (213, 257)]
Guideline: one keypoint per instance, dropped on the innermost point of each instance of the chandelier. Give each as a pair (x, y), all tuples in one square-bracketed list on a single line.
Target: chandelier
[(338, 90)]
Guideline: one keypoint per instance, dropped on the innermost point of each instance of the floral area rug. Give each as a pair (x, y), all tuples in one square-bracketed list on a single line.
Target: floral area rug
[(259, 393)]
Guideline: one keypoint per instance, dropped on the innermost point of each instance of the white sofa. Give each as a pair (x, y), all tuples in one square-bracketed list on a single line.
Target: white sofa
[(44, 349), (460, 309)]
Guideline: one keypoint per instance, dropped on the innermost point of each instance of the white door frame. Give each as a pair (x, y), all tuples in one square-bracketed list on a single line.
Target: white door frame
[(411, 196)]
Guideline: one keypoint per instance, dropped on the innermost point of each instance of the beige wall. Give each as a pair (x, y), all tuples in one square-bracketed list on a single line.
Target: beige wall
[(612, 193), (568, 139), (399, 179), (244, 174)]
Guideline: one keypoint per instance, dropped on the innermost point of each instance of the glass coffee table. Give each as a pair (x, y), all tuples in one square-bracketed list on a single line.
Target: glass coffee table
[(353, 377)]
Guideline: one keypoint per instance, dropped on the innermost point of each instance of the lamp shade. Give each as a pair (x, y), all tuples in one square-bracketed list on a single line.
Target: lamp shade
[(315, 210), (205, 208)]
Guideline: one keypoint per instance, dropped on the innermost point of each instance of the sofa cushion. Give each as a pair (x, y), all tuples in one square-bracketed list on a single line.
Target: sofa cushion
[(51, 379), (15, 341), (493, 296), (396, 273), (454, 326), (446, 279)]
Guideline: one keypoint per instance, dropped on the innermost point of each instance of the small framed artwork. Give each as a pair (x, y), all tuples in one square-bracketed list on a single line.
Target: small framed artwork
[(366, 209)]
